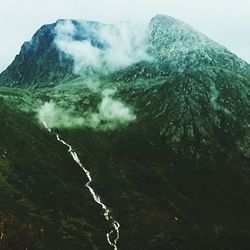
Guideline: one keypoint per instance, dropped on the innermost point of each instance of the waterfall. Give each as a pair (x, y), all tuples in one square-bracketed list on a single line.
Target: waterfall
[(95, 196)]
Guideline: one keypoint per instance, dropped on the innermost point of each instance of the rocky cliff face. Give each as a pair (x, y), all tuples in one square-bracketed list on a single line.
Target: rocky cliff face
[(41, 63)]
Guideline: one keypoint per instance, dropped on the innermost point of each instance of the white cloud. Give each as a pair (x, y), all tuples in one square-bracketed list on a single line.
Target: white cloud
[(125, 44), (111, 114), (55, 116)]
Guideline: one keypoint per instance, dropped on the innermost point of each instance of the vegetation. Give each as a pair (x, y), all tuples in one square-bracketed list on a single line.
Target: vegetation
[(168, 190)]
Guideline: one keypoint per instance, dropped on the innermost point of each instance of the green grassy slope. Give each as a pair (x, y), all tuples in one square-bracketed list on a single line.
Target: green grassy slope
[(167, 193), (44, 204)]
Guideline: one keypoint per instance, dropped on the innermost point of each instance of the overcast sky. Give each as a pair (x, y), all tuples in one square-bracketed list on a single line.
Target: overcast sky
[(225, 21)]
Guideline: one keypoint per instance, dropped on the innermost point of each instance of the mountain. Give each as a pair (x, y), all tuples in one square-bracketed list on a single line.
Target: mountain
[(173, 45), (176, 176)]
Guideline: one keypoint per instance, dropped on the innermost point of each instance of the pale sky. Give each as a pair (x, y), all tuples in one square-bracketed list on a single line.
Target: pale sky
[(225, 21)]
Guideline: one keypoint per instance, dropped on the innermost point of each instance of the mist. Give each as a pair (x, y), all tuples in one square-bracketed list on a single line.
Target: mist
[(58, 117), (122, 44), (110, 114)]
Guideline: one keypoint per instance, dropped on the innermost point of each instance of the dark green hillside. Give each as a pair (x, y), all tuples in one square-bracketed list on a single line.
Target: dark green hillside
[(177, 177), (44, 204), (148, 186), (147, 172), (150, 177)]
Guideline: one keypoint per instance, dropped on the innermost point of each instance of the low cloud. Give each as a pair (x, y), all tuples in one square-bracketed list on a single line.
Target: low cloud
[(116, 46), (111, 114), (58, 117)]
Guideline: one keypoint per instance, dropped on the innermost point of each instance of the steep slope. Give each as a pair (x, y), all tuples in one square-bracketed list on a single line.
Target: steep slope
[(41, 63), (167, 186), (43, 201), (183, 48), (177, 48)]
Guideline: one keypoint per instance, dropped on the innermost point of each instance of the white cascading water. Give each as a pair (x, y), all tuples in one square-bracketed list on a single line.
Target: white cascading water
[(96, 197)]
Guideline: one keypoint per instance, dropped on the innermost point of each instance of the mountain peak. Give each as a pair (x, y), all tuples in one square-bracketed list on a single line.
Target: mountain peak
[(174, 31), (164, 18)]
